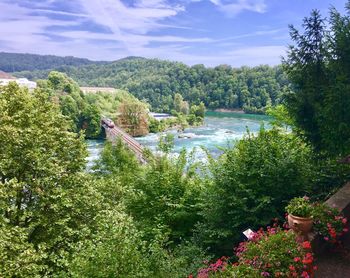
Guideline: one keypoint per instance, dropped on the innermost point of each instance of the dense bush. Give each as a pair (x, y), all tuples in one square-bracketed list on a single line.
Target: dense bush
[(164, 198), (252, 182), (271, 253)]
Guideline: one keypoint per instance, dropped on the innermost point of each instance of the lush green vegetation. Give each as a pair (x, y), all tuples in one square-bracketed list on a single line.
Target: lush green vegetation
[(157, 82), (319, 67), (11, 62), (85, 110), (169, 216)]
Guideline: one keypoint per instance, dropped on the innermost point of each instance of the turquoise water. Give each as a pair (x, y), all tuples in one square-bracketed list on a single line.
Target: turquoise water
[(220, 129)]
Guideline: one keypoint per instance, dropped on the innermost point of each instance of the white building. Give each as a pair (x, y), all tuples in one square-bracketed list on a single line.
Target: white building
[(6, 78)]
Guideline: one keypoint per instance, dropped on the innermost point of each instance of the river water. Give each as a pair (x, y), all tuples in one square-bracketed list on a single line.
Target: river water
[(220, 130)]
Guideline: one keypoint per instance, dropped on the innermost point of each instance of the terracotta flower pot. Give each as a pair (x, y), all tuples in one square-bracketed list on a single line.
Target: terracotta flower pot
[(300, 225)]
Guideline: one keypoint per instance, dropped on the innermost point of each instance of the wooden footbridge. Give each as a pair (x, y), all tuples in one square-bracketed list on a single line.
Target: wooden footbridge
[(113, 132)]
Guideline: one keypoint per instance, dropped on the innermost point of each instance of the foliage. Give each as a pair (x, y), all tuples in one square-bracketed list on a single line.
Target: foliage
[(164, 199), (114, 250), (331, 175), (18, 257), (234, 271), (318, 67), (116, 159), (166, 143), (108, 102), (300, 207), (44, 199), (59, 221), (157, 82), (277, 253), (10, 62), (329, 223), (133, 117), (274, 253), (73, 104), (281, 118), (252, 182)]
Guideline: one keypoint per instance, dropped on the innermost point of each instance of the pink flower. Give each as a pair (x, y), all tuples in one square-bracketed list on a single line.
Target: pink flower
[(344, 220), (345, 230), (326, 238)]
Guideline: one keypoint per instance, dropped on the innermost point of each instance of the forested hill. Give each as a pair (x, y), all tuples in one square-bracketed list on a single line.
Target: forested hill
[(157, 81), (11, 62)]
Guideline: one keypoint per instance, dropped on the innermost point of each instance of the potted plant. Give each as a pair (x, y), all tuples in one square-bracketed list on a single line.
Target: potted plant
[(300, 212)]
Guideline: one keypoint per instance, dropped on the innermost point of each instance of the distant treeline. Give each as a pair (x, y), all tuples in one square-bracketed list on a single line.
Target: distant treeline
[(11, 62), (156, 81)]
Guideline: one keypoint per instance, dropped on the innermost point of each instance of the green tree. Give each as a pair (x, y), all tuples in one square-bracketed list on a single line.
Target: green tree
[(133, 117), (318, 67), (178, 100), (44, 203)]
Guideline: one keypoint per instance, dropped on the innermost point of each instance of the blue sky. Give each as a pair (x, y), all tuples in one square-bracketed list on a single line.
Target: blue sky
[(210, 32)]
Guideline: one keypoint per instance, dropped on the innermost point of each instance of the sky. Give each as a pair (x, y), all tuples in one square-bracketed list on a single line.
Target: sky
[(209, 32)]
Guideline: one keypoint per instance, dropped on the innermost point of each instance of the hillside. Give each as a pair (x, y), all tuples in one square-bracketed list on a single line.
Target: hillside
[(11, 62), (157, 81)]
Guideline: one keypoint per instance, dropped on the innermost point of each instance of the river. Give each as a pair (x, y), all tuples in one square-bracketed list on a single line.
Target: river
[(220, 129)]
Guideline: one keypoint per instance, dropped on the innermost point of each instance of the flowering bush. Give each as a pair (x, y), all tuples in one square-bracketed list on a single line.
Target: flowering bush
[(271, 253), (329, 223), (276, 253), (300, 207)]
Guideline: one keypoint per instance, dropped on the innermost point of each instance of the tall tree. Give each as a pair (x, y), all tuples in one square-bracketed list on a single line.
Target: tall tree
[(305, 66), (318, 66), (40, 200)]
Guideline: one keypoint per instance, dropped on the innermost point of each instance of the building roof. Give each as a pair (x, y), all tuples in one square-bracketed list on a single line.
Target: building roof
[(4, 75)]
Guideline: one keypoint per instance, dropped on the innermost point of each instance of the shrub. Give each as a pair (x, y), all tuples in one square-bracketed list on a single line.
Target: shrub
[(277, 253), (329, 223), (222, 268), (300, 207), (251, 185), (274, 253)]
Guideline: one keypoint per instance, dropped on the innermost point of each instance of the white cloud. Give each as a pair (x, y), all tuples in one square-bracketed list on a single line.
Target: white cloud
[(131, 32), (250, 56), (235, 7)]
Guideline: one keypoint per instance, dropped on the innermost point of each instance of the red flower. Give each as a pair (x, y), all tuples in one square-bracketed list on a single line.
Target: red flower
[(305, 274), (308, 259), (297, 259), (306, 245), (292, 268)]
